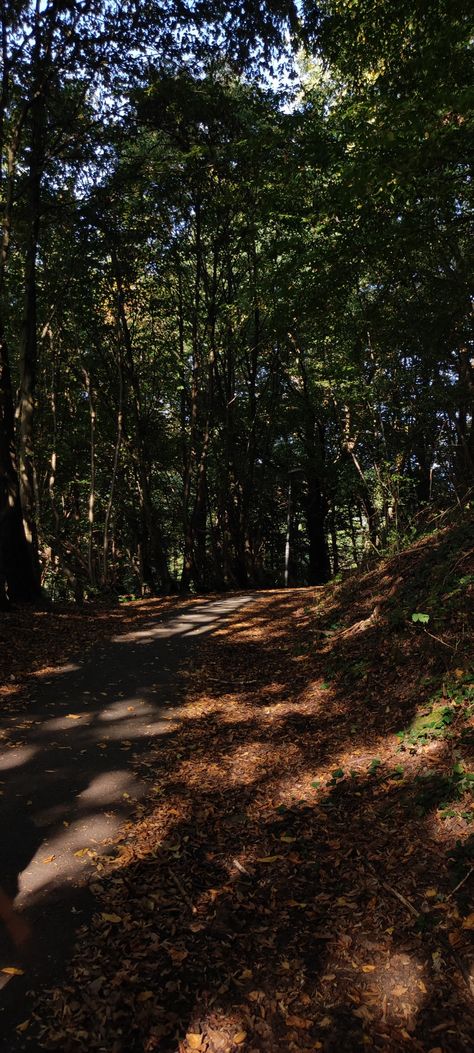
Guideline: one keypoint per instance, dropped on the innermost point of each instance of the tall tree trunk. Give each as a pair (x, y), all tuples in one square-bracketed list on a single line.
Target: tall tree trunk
[(153, 557), (118, 446), (319, 565), (91, 502), (29, 343), (18, 583)]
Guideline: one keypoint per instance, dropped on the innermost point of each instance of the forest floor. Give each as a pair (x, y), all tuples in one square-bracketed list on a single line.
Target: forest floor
[(263, 842)]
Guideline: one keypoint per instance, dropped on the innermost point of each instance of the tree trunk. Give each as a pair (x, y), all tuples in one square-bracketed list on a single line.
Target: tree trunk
[(319, 566), (29, 344), (153, 553)]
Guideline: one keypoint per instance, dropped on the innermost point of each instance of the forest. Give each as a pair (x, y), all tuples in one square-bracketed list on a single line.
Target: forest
[(236, 510), (234, 290)]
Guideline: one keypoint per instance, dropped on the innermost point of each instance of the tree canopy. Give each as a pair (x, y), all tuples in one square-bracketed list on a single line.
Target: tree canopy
[(235, 307)]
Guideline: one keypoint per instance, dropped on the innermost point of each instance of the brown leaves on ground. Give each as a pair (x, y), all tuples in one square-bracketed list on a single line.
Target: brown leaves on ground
[(290, 885)]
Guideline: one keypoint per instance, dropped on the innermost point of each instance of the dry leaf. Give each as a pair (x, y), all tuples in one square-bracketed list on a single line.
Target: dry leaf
[(399, 990), (239, 1037), (194, 1040), (368, 968), (267, 859), (145, 996), (11, 970), (113, 918), (22, 1027), (73, 716), (298, 1022), (48, 859), (177, 955), (468, 922)]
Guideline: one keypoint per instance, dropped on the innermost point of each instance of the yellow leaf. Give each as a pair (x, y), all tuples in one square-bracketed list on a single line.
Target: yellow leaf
[(81, 852), (194, 1040), (145, 996), (468, 922), (431, 893), (267, 859), (22, 1027), (288, 840), (73, 716), (458, 673), (239, 1037), (48, 859), (421, 987), (399, 990), (11, 970), (115, 919), (368, 968), (246, 975)]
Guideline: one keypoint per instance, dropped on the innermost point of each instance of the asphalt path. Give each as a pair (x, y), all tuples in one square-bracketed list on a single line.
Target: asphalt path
[(68, 761)]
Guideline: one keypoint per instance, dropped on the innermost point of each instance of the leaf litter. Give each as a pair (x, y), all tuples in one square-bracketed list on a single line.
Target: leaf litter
[(292, 882)]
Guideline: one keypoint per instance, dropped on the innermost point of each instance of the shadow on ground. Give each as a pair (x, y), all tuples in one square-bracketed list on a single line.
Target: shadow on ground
[(280, 883)]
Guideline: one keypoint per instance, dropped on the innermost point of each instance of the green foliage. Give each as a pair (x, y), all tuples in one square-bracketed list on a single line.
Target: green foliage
[(443, 791)]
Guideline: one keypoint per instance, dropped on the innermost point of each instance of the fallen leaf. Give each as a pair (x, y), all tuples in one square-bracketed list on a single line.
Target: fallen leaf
[(267, 859), (399, 990), (48, 859), (177, 955), (115, 919), (468, 922), (194, 1040), (239, 1037), (145, 996), (73, 716), (23, 1026), (11, 970), (299, 1022), (368, 968)]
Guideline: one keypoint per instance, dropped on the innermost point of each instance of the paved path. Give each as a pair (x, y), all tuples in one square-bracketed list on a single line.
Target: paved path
[(67, 781)]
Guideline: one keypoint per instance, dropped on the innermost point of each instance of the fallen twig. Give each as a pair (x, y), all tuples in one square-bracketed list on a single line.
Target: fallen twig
[(406, 902), (462, 882), (439, 640)]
